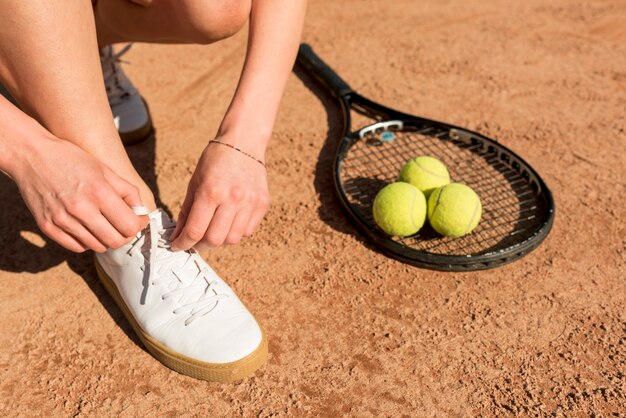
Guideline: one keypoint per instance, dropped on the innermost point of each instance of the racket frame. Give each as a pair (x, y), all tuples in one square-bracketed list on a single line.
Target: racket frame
[(350, 100)]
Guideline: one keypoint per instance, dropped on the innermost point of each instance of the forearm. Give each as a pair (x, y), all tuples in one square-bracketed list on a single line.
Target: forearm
[(16, 136), (274, 36)]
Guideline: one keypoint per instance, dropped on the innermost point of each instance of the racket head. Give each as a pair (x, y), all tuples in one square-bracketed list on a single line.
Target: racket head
[(518, 208)]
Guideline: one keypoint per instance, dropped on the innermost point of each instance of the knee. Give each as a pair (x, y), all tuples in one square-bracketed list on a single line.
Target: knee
[(207, 21)]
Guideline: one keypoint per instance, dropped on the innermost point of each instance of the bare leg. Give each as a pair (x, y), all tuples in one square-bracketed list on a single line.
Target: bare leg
[(49, 62), (169, 21)]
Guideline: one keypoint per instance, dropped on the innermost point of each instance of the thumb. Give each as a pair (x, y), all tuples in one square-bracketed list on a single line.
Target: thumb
[(127, 191)]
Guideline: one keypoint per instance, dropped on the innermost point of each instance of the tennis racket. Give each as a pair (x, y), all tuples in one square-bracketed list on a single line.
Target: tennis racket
[(518, 208)]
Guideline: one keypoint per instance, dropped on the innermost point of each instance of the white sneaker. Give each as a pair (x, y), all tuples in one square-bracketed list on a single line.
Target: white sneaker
[(185, 315), (130, 112)]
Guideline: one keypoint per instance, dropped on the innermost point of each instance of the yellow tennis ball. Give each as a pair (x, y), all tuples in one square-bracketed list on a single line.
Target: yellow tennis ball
[(454, 210), (400, 209), (425, 173)]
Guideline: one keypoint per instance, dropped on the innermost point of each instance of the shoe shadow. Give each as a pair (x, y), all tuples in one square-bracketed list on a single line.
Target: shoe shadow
[(24, 248)]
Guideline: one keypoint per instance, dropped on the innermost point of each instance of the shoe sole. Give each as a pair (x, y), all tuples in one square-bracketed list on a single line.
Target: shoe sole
[(140, 134), (212, 372), (136, 136)]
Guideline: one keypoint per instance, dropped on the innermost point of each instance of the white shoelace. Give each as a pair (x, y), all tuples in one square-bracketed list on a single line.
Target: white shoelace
[(114, 79), (180, 272)]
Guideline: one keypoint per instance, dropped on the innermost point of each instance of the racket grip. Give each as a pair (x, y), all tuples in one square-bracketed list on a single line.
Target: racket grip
[(320, 70)]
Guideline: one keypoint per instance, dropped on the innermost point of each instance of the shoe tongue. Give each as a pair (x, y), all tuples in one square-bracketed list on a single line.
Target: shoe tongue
[(162, 218)]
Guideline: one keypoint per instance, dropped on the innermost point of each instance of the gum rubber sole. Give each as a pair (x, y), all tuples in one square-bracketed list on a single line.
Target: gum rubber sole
[(213, 372), (137, 136)]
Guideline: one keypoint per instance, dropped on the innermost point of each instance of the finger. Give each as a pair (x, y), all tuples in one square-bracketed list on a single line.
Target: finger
[(201, 247), (64, 240), (122, 217), (127, 191), (182, 216), (238, 227), (220, 225), (72, 226), (195, 226), (102, 229), (255, 220)]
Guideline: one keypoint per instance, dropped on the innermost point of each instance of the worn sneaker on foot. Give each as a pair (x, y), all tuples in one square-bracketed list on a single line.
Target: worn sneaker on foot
[(185, 315), (130, 112)]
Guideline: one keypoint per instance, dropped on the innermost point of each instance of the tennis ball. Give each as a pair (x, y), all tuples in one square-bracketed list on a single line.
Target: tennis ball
[(400, 209), (425, 173), (454, 210)]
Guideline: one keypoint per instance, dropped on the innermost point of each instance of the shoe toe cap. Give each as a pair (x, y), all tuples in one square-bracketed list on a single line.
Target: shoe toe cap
[(228, 341), (238, 343)]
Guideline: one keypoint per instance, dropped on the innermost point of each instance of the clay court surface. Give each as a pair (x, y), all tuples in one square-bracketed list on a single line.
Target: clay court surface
[(352, 332)]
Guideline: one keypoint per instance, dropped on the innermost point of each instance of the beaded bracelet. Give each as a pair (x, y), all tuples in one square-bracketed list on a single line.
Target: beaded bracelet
[(240, 150)]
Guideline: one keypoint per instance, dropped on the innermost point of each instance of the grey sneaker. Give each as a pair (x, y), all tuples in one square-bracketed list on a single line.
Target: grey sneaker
[(130, 112)]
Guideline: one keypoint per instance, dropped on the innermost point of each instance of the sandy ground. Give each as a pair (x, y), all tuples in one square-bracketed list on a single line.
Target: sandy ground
[(351, 331)]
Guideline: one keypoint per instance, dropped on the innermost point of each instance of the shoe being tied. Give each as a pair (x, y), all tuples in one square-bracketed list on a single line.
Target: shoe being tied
[(130, 112), (183, 312)]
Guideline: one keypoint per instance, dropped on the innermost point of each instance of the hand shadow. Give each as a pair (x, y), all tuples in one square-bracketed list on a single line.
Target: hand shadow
[(24, 248), (330, 210)]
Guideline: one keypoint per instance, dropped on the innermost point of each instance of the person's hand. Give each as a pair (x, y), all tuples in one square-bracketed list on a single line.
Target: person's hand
[(76, 200), (226, 200)]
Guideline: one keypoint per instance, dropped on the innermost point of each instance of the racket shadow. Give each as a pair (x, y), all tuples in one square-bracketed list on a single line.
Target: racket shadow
[(329, 211)]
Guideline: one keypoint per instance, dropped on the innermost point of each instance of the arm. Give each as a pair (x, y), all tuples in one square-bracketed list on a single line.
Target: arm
[(227, 196), (31, 156), (49, 63), (14, 126), (275, 30)]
